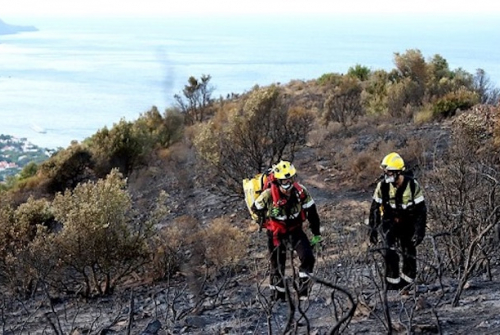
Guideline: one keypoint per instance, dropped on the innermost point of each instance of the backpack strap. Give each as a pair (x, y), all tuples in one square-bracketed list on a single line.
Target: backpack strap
[(412, 188), (400, 191), (300, 191), (301, 197), (275, 193), (384, 188)]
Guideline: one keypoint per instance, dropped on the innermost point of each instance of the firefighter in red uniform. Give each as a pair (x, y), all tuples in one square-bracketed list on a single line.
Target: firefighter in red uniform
[(283, 207), (398, 206)]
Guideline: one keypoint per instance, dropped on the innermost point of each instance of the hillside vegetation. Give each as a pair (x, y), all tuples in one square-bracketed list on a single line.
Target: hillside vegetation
[(154, 207)]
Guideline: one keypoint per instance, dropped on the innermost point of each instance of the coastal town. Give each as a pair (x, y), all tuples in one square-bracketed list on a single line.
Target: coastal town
[(15, 153)]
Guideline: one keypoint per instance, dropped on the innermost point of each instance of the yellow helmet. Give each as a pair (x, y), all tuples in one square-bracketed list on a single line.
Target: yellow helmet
[(284, 170), (393, 162)]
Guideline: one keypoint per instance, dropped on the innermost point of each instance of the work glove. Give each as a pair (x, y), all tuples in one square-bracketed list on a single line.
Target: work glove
[(417, 239), (374, 236), (316, 240)]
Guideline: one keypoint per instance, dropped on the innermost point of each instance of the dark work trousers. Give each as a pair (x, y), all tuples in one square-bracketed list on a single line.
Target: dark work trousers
[(399, 233), (300, 244)]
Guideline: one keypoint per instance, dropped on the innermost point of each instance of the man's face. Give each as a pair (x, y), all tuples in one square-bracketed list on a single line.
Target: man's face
[(389, 176), (286, 184)]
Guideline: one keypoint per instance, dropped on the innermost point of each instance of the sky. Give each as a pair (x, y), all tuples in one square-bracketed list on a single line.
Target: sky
[(55, 8)]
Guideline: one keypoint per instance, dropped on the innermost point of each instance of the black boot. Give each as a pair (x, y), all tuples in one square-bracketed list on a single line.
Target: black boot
[(394, 286), (278, 296)]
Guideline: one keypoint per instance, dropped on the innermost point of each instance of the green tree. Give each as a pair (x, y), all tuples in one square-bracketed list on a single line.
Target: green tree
[(412, 65), (343, 103), (248, 139), (488, 94), (196, 99), (173, 127), (439, 75), (374, 95)]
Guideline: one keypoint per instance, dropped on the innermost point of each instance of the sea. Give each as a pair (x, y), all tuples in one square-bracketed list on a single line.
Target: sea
[(75, 76)]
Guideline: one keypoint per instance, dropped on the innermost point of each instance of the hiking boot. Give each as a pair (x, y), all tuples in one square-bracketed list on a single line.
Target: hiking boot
[(393, 287)]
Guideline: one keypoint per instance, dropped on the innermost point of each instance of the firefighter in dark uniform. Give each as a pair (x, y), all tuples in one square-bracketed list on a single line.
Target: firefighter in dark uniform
[(399, 209), (283, 207)]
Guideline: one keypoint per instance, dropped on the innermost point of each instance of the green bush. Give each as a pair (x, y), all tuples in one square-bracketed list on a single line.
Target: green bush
[(160, 131), (98, 240), (451, 102), (125, 147), (21, 266), (225, 245), (360, 72), (172, 247), (29, 170), (329, 79)]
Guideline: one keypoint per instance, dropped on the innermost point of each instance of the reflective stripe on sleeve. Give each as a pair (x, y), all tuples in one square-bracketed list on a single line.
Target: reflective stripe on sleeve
[(418, 199), (308, 204), (258, 205), (284, 217)]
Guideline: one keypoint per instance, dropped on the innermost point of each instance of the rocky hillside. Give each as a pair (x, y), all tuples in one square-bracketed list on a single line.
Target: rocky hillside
[(346, 297)]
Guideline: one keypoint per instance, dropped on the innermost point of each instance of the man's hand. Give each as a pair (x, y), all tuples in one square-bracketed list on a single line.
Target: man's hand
[(316, 240), (374, 236)]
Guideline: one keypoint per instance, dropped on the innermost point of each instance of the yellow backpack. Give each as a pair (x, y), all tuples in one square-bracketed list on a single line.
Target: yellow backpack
[(253, 188)]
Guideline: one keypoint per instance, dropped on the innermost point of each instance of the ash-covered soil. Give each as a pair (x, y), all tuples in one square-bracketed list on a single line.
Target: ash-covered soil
[(239, 303)]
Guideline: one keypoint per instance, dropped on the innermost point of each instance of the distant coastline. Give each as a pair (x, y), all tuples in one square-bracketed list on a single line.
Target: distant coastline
[(6, 29), (38, 129)]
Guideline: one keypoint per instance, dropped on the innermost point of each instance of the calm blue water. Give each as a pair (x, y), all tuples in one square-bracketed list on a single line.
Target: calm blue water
[(76, 76)]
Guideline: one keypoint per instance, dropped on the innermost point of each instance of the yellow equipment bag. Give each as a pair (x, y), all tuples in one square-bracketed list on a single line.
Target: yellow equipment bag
[(253, 188)]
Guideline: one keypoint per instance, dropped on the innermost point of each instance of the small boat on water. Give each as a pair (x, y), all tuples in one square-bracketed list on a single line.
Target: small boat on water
[(38, 129)]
